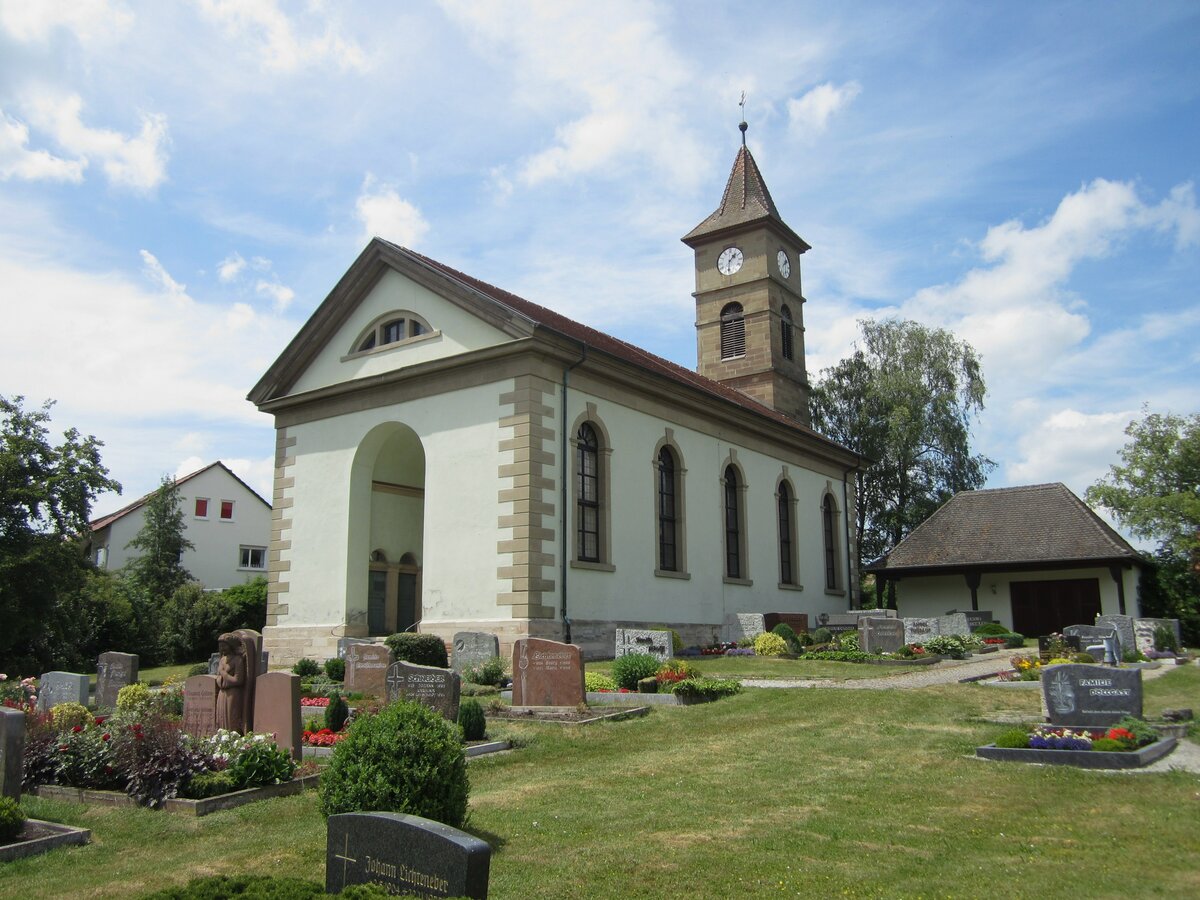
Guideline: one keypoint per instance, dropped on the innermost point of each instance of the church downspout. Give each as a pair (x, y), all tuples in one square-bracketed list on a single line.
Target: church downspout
[(563, 536), (846, 518)]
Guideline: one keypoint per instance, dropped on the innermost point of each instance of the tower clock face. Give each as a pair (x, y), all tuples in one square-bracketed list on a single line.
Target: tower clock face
[(785, 264), (729, 261)]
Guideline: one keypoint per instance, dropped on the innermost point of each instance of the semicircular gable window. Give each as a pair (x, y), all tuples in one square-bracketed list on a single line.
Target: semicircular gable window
[(392, 329)]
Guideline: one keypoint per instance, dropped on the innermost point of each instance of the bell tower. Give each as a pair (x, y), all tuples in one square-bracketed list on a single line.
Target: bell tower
[(749, 308)]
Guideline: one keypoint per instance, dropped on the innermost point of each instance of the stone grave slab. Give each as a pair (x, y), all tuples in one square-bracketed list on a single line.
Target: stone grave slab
[(472, 648), (739, 626), (114, 671), (919, 629), (640, 640), (1123, 625), (366, 668), (1090, 695), (955, 624), (547, 673), (975, 617), (435, 687), (277, 710), (880, 635), (12, 750), (61, 687), (200, 706), (405, 854), (1143, 632)]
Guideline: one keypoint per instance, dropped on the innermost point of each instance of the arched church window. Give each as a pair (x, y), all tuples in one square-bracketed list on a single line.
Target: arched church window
[(785, 325), (392, 329), (668, 511), (734, 565), (587, 492), (829, 532), (733, 331), (787, 531)]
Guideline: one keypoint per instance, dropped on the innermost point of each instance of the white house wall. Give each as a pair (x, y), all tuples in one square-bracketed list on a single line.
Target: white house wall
[(455, 331), (936, 595)]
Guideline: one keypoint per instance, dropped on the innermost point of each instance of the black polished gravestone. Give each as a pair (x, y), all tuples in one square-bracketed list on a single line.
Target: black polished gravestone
[(404, 854), (1090, 695), (12, 745)]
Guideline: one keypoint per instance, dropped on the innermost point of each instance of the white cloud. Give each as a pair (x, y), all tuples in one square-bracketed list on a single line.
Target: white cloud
[(258, 473), (158, 275), (276, 38), (230, 267), (189, 465), (281, 295), (624, 92), (138, 162), (384, 213), (88, 20), (17, 161), (811, 113)]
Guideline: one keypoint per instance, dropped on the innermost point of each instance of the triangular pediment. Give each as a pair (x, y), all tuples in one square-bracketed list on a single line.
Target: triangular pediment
[(388, 281)]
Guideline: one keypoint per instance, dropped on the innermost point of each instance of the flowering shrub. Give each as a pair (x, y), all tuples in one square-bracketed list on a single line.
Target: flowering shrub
[(157, 758), (675, 670), (18, 693), (768, 644), (322, 738), (314, 701), (86, 758), (912, 651), (848, 641), (133, 697)]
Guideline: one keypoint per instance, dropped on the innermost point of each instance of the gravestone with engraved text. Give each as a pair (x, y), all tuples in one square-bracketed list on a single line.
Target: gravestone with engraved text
[(114, 671), (639, 640), (366, 668), (547, 673), (433, 686), (472, 648), (200, 706), (1090, 695), (61, 687), (880, 635)]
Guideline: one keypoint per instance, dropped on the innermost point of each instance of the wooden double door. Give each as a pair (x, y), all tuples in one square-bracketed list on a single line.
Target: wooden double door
[(1046, 607)]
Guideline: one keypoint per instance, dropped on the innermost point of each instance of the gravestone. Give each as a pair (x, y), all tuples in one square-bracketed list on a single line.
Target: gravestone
[(114, 671), (838, 623), (277, 710), (1072, 642), (1090, 695), (880, 635), (12, 749), (200, 706), (797, 621), (975, 617), (366, 668), (547, 673), (1143, 632), (61, 687), (472, 648), (1087, 636), (918, 630), (638, 640), (875, 613), (740, 626), (344, 643), (433, 686), (262, 662), (214, 663), (1123, 625), (405, 854), (955, 624)]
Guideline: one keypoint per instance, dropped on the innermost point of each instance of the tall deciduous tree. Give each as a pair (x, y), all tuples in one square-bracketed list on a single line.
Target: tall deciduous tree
[(904, 399), (158, 569), (46, 493)]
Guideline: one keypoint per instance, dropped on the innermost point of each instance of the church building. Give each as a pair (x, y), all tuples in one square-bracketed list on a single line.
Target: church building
[(451, 457)]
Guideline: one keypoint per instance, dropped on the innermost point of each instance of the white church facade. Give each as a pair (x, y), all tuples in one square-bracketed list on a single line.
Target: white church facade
[(451, 457)]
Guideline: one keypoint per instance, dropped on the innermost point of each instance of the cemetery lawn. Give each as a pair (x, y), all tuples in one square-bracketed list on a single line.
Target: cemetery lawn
[(769, 667), (811, 793), (155, 676)]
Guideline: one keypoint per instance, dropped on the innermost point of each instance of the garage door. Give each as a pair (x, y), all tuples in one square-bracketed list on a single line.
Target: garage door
[(1045, 607)]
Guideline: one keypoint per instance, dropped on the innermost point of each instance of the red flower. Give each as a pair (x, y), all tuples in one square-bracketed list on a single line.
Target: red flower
[(100, 719), (105, 736), (77, 729)]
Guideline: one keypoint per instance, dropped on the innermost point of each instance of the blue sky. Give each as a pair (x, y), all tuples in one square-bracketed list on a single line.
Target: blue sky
[(181, 184)]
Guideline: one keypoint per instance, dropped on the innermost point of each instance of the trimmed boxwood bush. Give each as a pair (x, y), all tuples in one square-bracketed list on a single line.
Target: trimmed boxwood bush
[(769, 644), (631, 668), (12, 819), (472, 721), (598, 681), (420, 649), (335, 669), (66, 716), (709, 688), (785, 631), (307, 668), (209, 784), (822, 636), (336, 712), (1015, 641), (406, 758)]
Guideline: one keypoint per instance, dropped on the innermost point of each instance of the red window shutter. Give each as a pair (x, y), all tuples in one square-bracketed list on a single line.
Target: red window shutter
[(226, 509), (202, 507)]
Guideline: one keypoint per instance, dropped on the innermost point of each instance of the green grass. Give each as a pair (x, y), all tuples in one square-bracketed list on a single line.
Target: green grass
[(768, 667), (812, 793)]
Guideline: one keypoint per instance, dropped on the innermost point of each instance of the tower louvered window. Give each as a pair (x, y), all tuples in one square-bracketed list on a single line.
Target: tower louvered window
[(785, 324), (733, 331)]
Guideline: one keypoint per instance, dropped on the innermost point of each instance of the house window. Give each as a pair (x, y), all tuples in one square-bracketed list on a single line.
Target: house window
[(668, 511), (201, 507), (101, 557), (733, 331), (787, 531), (252, 558), (734, 567), (226, 510), (390, 331), (829, 531), (785, 324), (587, 492)]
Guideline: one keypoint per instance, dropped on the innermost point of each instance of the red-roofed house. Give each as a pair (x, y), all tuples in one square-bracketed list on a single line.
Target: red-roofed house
[(452, 457), (224, 518)]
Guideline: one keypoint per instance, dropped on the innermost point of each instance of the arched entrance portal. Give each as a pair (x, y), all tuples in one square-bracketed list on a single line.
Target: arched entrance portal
[(387, 516)]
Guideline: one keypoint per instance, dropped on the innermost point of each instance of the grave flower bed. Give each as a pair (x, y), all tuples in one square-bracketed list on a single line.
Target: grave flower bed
[(325, 737), (314, 701), (1131, 743)]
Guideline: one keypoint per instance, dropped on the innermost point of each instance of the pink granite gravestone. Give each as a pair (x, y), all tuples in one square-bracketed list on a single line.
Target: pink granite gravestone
[(277, 710), (547, 673), (366, 669), (200, 706)]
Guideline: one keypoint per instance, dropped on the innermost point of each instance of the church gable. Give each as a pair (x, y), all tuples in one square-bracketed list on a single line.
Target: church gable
[(392, 310)]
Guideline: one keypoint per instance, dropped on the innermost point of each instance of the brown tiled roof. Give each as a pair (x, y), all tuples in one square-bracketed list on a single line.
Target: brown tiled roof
[(606, 343), (746, 201), (1039, 523), (105, 521)]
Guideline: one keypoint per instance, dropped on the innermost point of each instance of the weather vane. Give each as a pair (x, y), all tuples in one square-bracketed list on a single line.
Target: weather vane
[(742, 124)]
